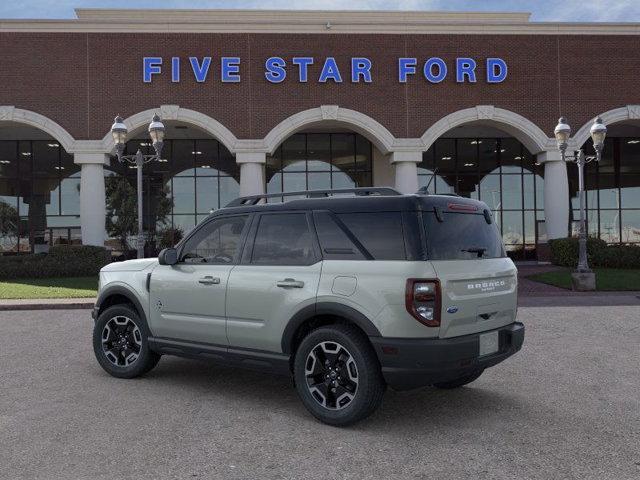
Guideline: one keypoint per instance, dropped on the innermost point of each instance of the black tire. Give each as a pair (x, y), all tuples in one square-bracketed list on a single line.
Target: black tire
[(459, 382), (133, 333), (361, 368)]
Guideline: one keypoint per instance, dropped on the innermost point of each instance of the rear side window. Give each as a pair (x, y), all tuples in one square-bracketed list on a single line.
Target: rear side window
[(334, 241), (461, 236), (283, 239), (380, 233)]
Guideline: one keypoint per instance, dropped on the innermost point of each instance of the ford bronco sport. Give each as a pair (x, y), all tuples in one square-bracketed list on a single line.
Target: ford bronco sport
[(348, 294)]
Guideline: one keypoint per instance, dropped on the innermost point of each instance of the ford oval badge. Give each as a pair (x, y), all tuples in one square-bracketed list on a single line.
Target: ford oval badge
[(452, 309)]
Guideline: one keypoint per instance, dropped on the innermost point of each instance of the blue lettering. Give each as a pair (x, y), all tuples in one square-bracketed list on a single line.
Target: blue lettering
[(230, 69), (276, 72), (406, 66), (175, 69), (150, 66), (303, 64), (496, 70), (331, 71), (465, 67), (428, 70), (200, 71), (360, 67)]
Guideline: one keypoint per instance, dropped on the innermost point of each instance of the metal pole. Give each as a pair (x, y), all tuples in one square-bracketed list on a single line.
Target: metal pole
[(140, 237), (583, 265)]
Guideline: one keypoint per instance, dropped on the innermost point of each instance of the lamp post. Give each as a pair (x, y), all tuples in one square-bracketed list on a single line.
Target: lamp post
[(156, 132), (583, 278)]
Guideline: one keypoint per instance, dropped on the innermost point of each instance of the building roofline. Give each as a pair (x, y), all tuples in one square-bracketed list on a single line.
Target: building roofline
[(310, 21)]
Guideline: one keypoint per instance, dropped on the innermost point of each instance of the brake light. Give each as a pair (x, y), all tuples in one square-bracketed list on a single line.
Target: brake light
[(462, 207), (422, 299)]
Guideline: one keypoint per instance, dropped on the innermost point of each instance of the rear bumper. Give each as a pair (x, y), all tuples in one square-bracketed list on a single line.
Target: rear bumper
[(410, 363)]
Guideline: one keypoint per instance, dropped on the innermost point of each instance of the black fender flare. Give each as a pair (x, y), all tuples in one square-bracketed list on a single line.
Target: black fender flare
[(125, 292), (326, 308)]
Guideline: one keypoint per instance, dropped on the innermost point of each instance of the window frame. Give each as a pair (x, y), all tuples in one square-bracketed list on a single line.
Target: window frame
[(207, 224), (247, 253)]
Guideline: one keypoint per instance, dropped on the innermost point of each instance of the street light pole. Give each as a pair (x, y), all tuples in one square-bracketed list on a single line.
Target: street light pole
[(562, 133), (156, 132)]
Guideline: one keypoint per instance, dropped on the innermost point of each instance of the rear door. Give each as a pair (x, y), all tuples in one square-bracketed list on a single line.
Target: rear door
[(478, 281), (278, 276)]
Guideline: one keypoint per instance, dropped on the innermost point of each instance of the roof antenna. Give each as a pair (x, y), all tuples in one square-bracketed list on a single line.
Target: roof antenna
[(425, 190)]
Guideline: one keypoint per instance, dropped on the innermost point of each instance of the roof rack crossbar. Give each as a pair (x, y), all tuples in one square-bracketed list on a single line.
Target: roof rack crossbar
[(363, 191)]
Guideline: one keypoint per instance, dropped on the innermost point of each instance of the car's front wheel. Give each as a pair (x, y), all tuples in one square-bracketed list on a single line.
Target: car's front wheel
[(120, 343), (337, 375)]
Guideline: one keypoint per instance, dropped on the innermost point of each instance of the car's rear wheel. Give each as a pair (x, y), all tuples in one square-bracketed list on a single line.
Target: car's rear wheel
[(460, 381), (120, 343), (337, 375)]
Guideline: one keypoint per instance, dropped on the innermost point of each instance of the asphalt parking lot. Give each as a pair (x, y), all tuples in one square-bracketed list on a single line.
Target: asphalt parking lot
[(567, 406)]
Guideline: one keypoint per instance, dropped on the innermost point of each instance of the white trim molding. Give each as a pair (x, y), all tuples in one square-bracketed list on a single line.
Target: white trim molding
[(9, 113), (512, 123), (177, 113), (617, 115), (374, 131)]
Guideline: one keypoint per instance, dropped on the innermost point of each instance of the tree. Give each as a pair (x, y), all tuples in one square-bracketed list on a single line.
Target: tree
[(122, 210), (9, 223)]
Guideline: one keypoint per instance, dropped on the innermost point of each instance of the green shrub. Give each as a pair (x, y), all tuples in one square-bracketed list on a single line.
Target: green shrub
[(61, 261), (564, 252)]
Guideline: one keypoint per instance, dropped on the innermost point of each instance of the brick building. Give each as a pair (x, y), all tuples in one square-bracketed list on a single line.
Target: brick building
[(258, 101)]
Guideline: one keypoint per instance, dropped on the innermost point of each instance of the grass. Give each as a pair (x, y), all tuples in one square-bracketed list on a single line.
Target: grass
[(72, 287), (607, 279)]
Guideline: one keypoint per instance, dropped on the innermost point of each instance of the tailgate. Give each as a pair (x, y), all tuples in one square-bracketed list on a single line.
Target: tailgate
[(477, 295)]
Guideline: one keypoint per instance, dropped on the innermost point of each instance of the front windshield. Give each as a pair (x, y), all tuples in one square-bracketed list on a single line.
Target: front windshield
[(461, 236)]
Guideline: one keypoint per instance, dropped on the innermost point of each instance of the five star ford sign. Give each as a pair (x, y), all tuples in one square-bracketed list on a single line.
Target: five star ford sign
[(361, 69)]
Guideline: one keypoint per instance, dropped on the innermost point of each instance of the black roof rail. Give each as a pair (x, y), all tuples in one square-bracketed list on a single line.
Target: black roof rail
[(363, 191)]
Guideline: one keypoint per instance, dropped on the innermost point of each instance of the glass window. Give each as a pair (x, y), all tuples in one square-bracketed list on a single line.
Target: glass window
[(216, 242), (461, 236), (334, 242), (629, 155), (380, 233), (318, 152), (631, 226), (512, 233), (283, 239)]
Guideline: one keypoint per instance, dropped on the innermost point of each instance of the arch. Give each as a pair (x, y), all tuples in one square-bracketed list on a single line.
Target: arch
[(617, 115), (528, 133), (382, 138), (177, 113), (10, 113)]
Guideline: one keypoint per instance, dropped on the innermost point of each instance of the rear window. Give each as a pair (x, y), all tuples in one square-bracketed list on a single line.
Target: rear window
[(461, 236)]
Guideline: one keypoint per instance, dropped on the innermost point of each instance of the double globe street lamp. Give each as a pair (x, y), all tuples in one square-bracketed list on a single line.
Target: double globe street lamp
[(583, 278), (156, 132)]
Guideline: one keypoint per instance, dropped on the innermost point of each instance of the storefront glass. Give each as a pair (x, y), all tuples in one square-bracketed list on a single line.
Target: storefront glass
[(612, 192), (498, 171), (39, 196), (313, 161), (193, 178)]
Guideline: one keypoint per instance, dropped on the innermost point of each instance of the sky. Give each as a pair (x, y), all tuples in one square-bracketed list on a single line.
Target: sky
[(542, 10)]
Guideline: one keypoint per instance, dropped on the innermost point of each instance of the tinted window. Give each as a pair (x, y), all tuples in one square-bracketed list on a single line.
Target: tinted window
[(380, 233), (283, 239), (334, 242), (461, 236), (216, 242)]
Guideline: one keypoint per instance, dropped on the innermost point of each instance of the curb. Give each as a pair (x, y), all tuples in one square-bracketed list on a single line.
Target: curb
[(79, 305)]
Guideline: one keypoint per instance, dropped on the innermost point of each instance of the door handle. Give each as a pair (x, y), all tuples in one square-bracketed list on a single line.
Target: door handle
[(209, 280), (290, 283)]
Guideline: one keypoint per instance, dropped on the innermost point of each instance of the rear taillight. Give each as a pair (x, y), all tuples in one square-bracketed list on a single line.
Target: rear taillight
[(422, 299)]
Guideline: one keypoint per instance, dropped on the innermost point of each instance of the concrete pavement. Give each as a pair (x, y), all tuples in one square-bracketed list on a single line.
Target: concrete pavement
[(566, 406)]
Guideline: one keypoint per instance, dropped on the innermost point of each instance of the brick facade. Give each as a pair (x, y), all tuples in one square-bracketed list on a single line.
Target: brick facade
[(81, 80)]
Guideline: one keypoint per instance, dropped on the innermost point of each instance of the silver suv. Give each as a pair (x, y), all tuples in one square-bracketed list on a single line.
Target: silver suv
[(348, 291)]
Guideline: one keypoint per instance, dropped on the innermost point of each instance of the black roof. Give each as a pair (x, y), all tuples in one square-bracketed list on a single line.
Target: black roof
[(364, 204)]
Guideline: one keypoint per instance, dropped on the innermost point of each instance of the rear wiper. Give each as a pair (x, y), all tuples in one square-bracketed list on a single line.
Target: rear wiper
[(479, 250)]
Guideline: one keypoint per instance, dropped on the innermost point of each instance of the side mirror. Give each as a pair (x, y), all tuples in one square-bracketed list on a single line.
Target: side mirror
[(168, 256)]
